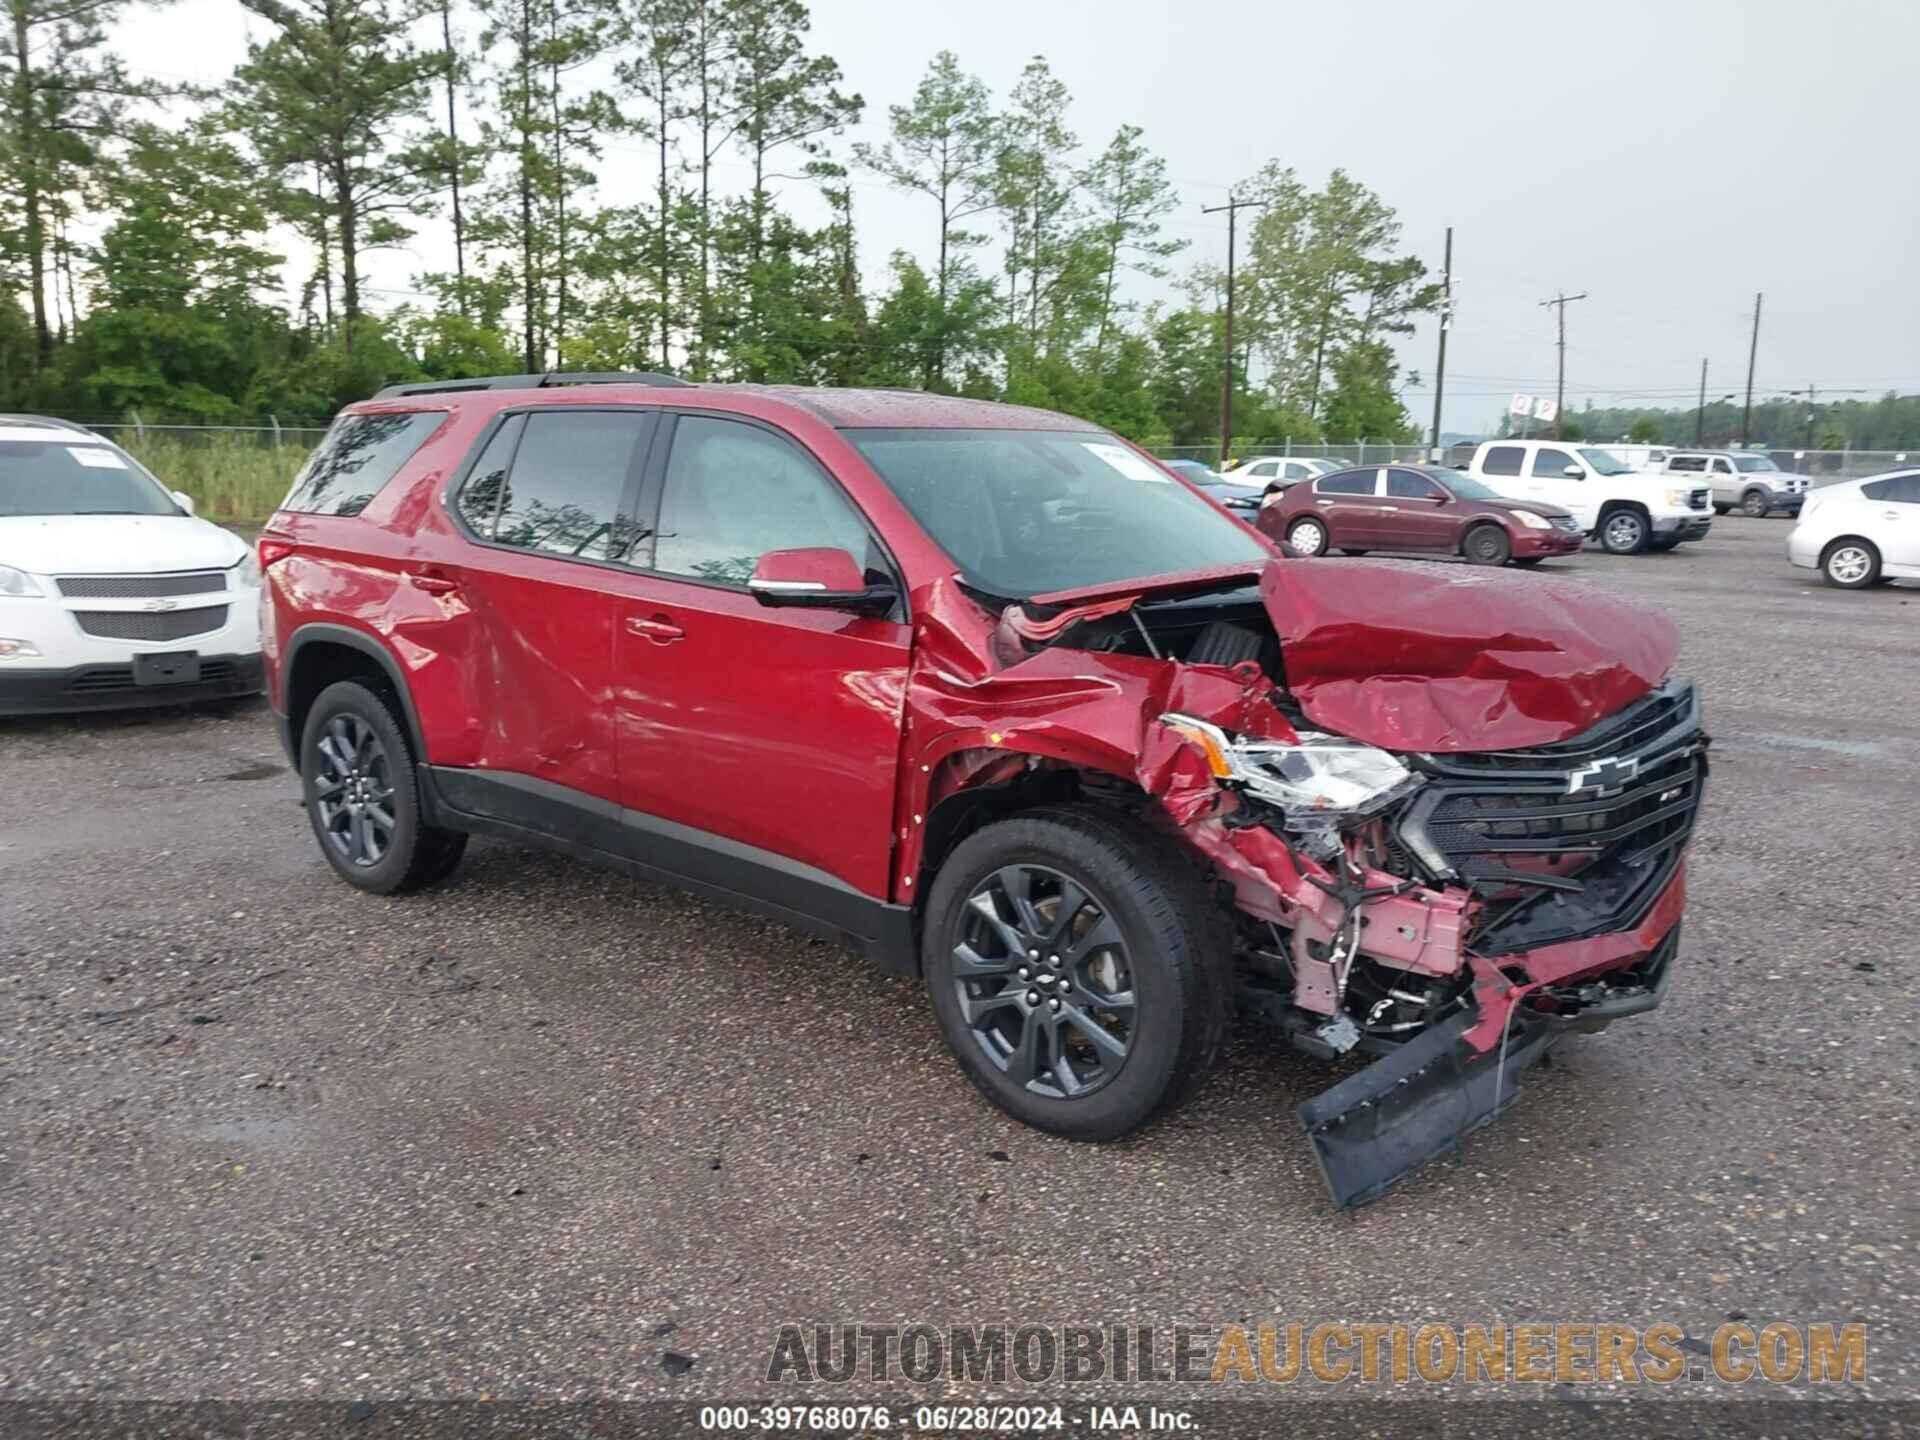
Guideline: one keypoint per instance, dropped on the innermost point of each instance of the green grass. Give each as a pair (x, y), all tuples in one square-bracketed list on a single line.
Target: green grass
[(229, 478)]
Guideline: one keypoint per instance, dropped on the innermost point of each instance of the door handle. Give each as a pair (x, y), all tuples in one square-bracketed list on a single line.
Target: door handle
[(431, 583), (660, 630), (1390, 507)]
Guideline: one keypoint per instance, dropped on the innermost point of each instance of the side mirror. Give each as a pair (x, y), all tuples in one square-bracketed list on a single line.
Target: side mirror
[(1574, 472), (183, 500), (822, 578), (1439, 497)]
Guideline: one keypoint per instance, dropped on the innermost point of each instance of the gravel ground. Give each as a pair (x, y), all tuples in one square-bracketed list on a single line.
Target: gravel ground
[(549, 1131)]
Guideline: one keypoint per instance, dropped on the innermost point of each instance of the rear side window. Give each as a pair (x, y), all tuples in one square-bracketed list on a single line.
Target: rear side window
[(1348, 482), (1503, 460), (359, 455), (1552, 464), (558, 481), (1265, 470), (1903, 489)]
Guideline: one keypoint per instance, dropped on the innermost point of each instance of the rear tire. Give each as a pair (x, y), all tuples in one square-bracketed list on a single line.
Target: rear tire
[(1307, 536), (1851, 563), (1720, 509), (1487, 545), (363, 798), (1139, 930), (1528, 562), (1624, 531), (1755, 505)]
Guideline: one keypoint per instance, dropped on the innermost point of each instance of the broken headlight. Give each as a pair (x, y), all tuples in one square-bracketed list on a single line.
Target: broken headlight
[(1319, 773)]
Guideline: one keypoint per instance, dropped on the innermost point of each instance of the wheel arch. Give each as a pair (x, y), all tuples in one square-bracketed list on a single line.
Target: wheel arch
[(1475, 526), (319, 655)]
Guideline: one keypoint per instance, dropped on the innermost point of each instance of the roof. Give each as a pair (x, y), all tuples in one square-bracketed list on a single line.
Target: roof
[(34, 427), (909, 409)]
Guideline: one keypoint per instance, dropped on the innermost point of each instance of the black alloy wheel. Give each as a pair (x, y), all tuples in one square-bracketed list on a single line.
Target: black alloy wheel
[(353, 791), (1045, 982)]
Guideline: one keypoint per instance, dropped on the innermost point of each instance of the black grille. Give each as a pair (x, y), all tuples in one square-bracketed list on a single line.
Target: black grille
[(97, 678), (140, 587), (1565, 522), (1500, 817), (1699, 499), (151, 625)]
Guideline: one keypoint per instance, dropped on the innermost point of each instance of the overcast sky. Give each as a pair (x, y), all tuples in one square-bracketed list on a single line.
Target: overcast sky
[(1670, 159)]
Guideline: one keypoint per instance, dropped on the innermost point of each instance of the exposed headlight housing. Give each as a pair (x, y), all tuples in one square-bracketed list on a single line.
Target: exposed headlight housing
[(16, 582), (1531, 520), (1319, 774)]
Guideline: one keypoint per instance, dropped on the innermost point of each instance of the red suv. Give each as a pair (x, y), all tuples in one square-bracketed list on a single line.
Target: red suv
[(1419, 509), (990, 696)]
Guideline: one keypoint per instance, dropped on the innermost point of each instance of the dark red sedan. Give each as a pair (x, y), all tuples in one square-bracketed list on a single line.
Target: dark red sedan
[(1418, 508)]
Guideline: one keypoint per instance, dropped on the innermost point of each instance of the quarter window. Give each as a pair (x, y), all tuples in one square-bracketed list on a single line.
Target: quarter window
[(1549, 464), (556, 482), (733, 492), (359, 455), (1503, 460)]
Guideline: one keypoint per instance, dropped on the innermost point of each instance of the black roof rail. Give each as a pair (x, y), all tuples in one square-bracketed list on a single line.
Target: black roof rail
[(547, 380)]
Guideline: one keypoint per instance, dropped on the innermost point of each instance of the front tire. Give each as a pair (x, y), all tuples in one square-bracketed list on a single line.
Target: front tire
[(1308, 537), (362, 796), (1851, 563), (1487, 545), (1078, 970), (1755, 505), (1623, 532)]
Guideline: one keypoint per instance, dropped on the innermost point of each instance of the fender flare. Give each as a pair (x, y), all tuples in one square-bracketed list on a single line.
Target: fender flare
[(370, 646)]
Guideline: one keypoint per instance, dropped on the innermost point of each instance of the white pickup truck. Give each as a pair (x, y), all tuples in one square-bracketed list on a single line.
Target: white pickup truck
[(1626, 510)]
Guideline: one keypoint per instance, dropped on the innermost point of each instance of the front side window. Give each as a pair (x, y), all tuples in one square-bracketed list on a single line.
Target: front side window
[(1549, 464), (555, 481), (733, 492), (1503, 460), (1721, 467), (1900, 489), (1411, 485), (1265, 470), (1027, 512), (359, 455), (1601, 463), (57, 476), (1749, 464)]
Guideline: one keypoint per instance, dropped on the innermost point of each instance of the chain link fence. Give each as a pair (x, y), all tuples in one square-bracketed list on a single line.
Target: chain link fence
[(1360, 453), (1825, 466)]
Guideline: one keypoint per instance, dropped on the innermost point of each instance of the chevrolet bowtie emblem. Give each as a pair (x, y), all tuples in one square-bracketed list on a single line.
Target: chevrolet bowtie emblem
[(1602, 776)]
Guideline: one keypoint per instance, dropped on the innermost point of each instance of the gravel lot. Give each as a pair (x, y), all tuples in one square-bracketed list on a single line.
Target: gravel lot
[(263, 1136)]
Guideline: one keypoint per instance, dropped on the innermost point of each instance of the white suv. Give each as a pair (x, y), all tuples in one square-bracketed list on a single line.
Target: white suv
[(111, 592), (1625, 509)]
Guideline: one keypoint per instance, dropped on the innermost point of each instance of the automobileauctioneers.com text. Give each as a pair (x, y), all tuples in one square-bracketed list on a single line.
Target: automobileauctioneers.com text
[(1342, 1353)]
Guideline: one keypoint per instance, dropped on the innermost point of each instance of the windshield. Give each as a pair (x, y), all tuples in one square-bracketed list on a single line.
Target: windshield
[(1026, 512), (1747, 464), (62, 477), (1604, 464), (1468, 488)]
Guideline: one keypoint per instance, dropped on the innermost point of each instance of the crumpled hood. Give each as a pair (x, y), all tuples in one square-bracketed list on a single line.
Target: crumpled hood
[(1423, 657), (116, 544)]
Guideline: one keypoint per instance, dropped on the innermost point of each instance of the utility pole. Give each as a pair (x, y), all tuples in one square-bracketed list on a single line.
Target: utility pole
[(1233, 208), (1700, 415), (1560, 302), (1446, 323), (1753, 349)]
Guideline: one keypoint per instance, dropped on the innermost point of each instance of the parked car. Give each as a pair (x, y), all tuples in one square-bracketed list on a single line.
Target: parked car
[(1626, 510), (1423, 509), (112, 594), (1742, 479), (1215, 486), (1271, 473), (1861, 532), (984, 693)]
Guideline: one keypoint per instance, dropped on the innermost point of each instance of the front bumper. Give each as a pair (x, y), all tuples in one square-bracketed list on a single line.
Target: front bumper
[(113, 687), (1529, 543), (1690, 526), (1419, 1102)]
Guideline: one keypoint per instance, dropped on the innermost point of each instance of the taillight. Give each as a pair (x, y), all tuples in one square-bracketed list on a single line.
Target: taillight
[(270, 550)]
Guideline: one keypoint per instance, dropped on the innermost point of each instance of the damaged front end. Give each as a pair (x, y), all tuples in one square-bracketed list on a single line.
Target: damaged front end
[(1403, 891)]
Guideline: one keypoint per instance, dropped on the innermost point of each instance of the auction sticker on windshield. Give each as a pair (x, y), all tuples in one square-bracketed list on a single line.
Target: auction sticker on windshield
[(1126, 462)]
